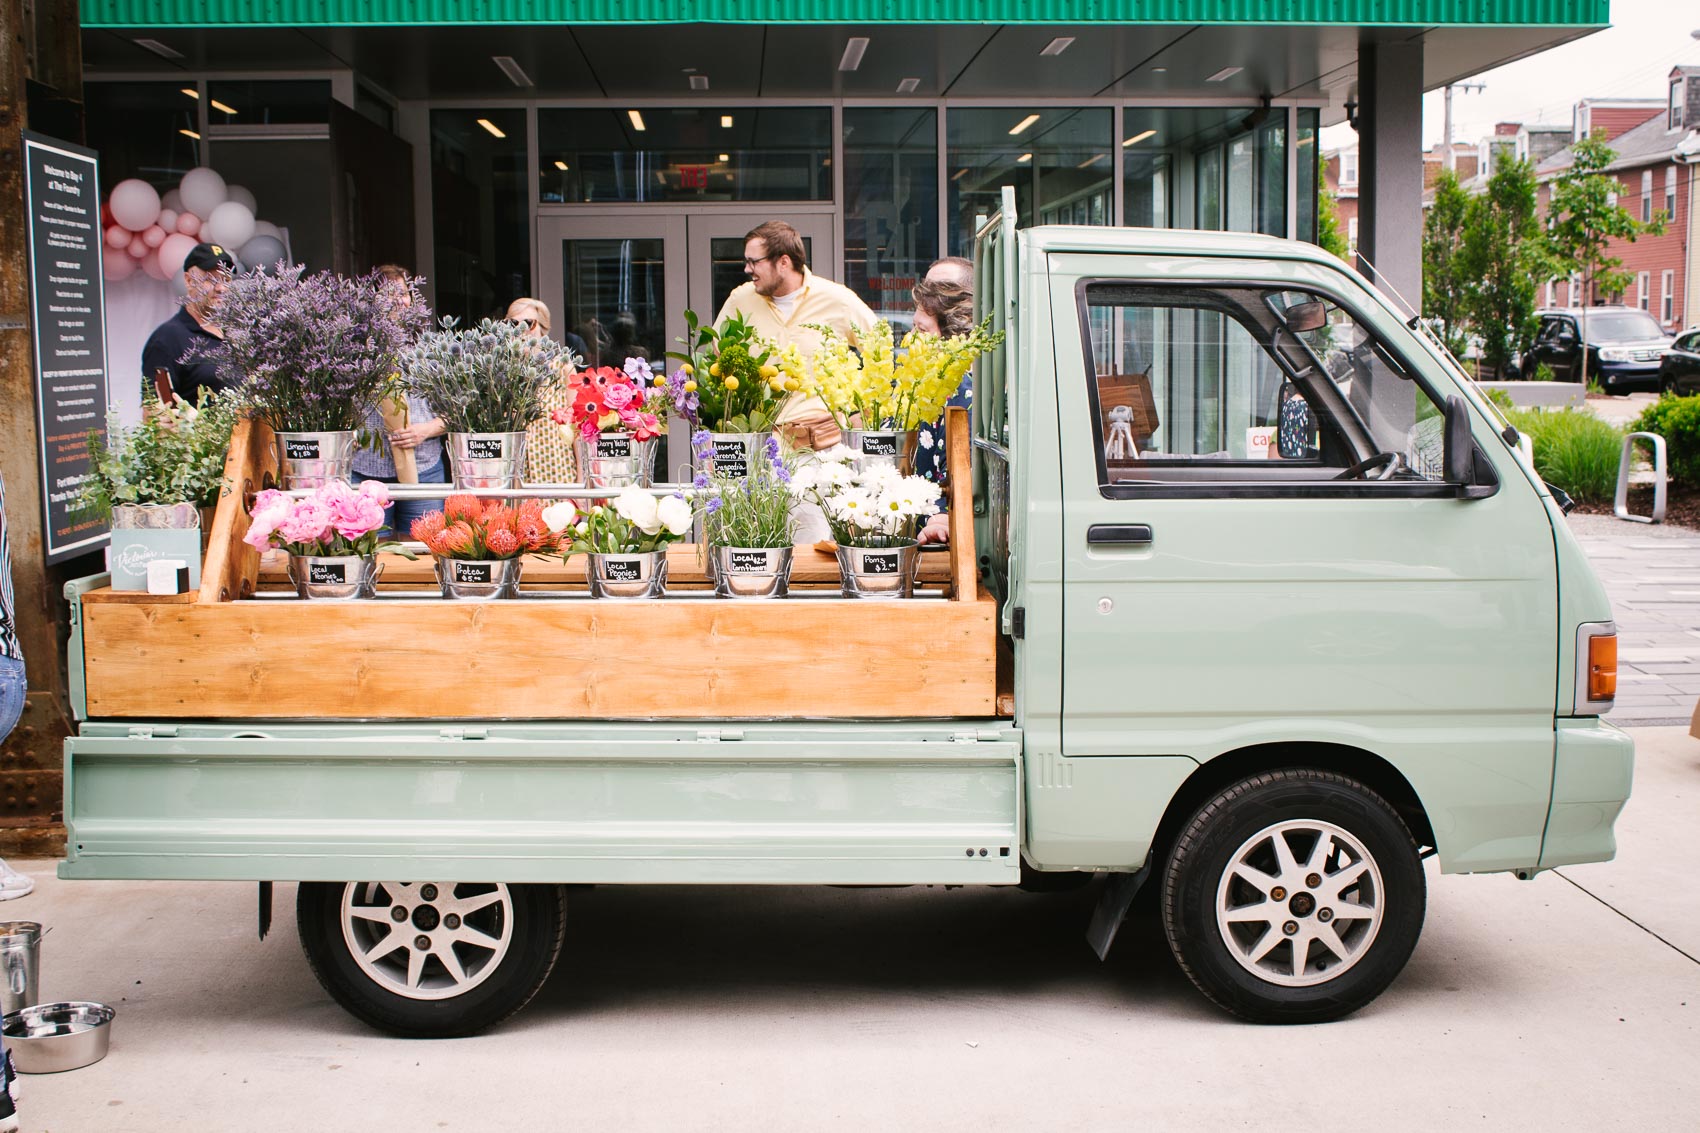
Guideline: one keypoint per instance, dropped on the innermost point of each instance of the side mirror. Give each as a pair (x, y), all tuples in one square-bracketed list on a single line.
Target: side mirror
[(1459, 459), (1564, 339), (1302, 317)]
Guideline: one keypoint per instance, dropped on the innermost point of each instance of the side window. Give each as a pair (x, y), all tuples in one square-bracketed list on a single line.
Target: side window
[(1248, 384)]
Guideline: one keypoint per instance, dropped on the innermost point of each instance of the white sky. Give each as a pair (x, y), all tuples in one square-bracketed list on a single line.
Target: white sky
[(1630, 59)]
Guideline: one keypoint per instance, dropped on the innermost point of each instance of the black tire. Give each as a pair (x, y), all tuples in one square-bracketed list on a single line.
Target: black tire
[(529, 920), (1226, 830)]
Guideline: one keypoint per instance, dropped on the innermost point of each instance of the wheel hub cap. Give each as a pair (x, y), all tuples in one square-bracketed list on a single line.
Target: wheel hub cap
[(432, 941)]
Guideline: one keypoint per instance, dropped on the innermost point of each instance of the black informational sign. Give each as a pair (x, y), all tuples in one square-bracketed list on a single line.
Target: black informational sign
[(68, 315)]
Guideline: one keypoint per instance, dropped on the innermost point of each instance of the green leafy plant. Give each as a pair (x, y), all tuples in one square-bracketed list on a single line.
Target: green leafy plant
[(1574, 450), (176, 455), (1500, 398), (729, 370), (749, 511), (1677, 420), (1329, 236), (1445, 280), (1502, 254)]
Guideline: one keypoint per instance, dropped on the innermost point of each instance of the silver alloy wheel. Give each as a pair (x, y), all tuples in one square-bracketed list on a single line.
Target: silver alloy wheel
[(1300, 903), (427, 940)]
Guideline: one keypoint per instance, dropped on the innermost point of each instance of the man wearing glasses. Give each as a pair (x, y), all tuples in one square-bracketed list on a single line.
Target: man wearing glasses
[(784, 301), (190, 333)]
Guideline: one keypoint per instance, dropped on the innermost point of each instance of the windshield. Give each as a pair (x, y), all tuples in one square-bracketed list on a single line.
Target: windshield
[(1621, 326)]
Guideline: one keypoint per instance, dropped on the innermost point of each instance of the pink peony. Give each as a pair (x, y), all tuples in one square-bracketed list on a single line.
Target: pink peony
[(617, 396), (271, 508), (378, 490), (354, 514), (307, 522)]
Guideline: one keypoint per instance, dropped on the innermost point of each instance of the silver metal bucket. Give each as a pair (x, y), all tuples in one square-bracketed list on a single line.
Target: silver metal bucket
[(732, 455), (478, 580), (615, 460), (334, 577), (627, 576), (752, 572), (487, 460), (879, 572), (893, 447), (20, 965), (312, 460)]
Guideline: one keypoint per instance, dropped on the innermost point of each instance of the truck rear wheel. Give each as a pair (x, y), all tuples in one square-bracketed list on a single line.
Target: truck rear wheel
[(1294, 896), (431, 959)]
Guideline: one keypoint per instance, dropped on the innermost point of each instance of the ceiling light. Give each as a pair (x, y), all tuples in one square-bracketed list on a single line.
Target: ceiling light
[(1137, 138), (907, 86), (959, 174), (699, 82), (222, 108), (1224, 73), (157, 48), (725, 121), (725, 157), (1093, 160), (191, 92), (1023, 124), (561, 165), (1058, 45), (637, 120), (495, 131), (1024, 159), (853, 52), (191, 134), (1159, 70), (512, 70)]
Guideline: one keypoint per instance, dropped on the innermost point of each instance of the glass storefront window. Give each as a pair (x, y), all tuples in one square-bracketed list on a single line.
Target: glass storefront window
[(144, 130), (481, 222), (1305, 163), (1207, 167), (268, 102), (680, 154), (891, 204), (1272, 178), (1058, 158)]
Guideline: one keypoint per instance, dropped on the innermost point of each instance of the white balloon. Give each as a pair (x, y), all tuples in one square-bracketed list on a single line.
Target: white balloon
[(202, 191), (173, 200), (267, 228), (230, 224), (240, 193), (261, 252), (134, 204)]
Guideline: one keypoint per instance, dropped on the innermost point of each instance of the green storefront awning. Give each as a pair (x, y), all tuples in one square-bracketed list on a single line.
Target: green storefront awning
[(394, 13)]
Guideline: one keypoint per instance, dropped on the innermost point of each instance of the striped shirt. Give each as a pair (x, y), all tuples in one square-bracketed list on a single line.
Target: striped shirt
[(10, 646)]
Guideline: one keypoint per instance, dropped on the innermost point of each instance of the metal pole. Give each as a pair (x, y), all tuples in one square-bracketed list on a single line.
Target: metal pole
[(1451, 158)]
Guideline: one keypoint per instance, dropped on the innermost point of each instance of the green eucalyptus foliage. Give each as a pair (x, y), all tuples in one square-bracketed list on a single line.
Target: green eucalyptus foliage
[(175, 455)]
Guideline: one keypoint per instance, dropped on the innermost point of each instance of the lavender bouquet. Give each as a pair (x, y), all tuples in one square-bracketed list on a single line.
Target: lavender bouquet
[(316, 350)]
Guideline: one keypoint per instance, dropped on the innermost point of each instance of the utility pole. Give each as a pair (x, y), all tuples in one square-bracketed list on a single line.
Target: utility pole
[(1452, 158)]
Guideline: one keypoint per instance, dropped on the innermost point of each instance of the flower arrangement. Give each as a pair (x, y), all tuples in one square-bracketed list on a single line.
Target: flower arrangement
[(315, 350), (882, 387), (730, 376), (749, 511), (636, 523), (631, 400), (484, 379), (336, 520), (482, 530), (869, 506), (175, 455)]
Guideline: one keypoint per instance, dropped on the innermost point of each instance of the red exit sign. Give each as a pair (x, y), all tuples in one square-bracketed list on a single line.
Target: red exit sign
[(693, 176)]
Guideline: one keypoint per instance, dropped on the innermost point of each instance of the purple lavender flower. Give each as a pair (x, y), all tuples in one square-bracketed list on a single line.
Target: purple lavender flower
[(771, 448), (702, 444), (700, 480)]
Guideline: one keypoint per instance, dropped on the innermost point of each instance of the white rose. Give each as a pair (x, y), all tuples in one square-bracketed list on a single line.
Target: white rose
[(640, 508), (560, 516), (674, 514)]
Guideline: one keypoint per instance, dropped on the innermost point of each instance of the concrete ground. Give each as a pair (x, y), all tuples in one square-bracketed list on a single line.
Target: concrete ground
[(1568, 1002)]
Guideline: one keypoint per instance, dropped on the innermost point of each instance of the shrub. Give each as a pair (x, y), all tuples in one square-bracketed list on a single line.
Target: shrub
[(1677, 420), (1574, 450)]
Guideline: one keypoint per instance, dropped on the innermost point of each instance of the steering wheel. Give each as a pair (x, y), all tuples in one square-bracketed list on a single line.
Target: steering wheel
[(1388, 462)]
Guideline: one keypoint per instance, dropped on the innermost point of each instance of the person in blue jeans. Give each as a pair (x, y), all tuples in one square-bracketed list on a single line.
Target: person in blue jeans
[(12, 687), (423, 435)]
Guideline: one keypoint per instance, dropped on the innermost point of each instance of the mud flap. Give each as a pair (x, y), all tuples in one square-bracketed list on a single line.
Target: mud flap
[(1112, 909)]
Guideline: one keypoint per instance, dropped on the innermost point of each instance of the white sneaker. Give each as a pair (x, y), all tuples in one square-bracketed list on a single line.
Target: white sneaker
[(14, 884)]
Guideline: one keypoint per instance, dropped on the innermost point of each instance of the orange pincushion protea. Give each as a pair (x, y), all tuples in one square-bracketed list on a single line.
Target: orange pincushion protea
[(428, 528), (469, 528), (503, 543), (456, 540), (464, 507)]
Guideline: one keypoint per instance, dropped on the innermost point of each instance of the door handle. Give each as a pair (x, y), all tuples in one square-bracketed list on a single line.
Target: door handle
[(1119, 534)]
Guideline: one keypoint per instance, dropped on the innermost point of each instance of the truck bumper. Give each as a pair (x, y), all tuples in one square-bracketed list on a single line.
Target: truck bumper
[(1593, 766)]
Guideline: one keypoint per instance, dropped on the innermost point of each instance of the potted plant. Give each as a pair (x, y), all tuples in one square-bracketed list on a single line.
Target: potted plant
[(881, 396), (728, 387), (748, 527), (331, 535), (487, 384), (873, 512), (314, 352), (480, 544), (626, 542), (615, 418), (158, 482)]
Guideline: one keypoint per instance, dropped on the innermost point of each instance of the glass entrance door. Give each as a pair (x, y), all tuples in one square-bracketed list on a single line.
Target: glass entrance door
[(716, 256)]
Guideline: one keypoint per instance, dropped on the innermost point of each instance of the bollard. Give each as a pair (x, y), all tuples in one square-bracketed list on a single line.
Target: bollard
[(1620, 506)]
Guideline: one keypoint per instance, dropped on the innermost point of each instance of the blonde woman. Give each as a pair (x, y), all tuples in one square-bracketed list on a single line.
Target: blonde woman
[(548, 448)]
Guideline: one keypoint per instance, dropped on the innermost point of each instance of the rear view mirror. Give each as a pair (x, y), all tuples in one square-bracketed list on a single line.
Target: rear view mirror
[(1459, 458), (1306, 316)]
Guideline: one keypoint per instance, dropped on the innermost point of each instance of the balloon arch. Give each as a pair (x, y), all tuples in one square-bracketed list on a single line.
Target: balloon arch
[(153, 234)]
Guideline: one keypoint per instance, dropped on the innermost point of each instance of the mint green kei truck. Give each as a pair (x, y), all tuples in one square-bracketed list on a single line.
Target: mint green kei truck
[(1251, 599)]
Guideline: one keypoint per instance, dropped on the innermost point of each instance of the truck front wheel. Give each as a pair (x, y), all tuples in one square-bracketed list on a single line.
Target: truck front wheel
[(431, 959), (1294, 896)]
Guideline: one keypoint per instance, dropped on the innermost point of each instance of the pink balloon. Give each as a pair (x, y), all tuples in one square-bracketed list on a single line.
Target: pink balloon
[(117, 267), (168, 220), (188, 224), (153, 236), (173, 252), (138, 247), (151, 266), (118, 236)]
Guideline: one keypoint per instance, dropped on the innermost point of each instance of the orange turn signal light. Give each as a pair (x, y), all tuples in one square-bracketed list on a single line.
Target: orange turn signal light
[(1602, 667)]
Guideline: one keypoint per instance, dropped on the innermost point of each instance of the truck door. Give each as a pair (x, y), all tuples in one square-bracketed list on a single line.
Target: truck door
[(1259, 547)]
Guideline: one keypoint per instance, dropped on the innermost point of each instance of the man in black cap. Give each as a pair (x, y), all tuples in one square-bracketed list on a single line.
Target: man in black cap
[(190, 332)]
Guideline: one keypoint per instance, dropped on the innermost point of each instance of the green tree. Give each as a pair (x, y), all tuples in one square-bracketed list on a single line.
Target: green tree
[(1503, 253), (1328, 235), (1583, 219), (1445, 282)]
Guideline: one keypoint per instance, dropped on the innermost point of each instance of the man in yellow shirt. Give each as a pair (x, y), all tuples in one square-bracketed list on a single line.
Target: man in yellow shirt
[(781, 300)]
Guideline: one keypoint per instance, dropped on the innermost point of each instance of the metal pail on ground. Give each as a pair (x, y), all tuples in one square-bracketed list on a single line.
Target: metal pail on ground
[(20, 965)]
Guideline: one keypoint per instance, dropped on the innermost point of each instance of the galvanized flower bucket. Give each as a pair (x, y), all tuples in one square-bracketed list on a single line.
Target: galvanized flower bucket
[(879, 572), (616, 460), (312, 460), (893, 447), (487, 460), (628, 576), (479, 580), (752, 572), (336, 577)]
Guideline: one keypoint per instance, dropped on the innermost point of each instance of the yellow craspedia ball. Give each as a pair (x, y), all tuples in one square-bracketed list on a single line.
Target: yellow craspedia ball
[(690, 386), (714, 370), (731, 382), (793, 385), (688, 369), (769, 371)]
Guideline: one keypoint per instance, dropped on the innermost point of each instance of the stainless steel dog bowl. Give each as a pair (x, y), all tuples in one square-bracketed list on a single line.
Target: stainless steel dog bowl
[(51, 1037)]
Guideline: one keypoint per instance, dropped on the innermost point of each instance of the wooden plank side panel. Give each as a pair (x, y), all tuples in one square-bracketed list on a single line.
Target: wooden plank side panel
[(562, 659), (964, 564), (233, 568)]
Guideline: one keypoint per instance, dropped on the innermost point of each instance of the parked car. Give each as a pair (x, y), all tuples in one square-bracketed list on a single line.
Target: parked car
[(1679, 372), (1623, 346)]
